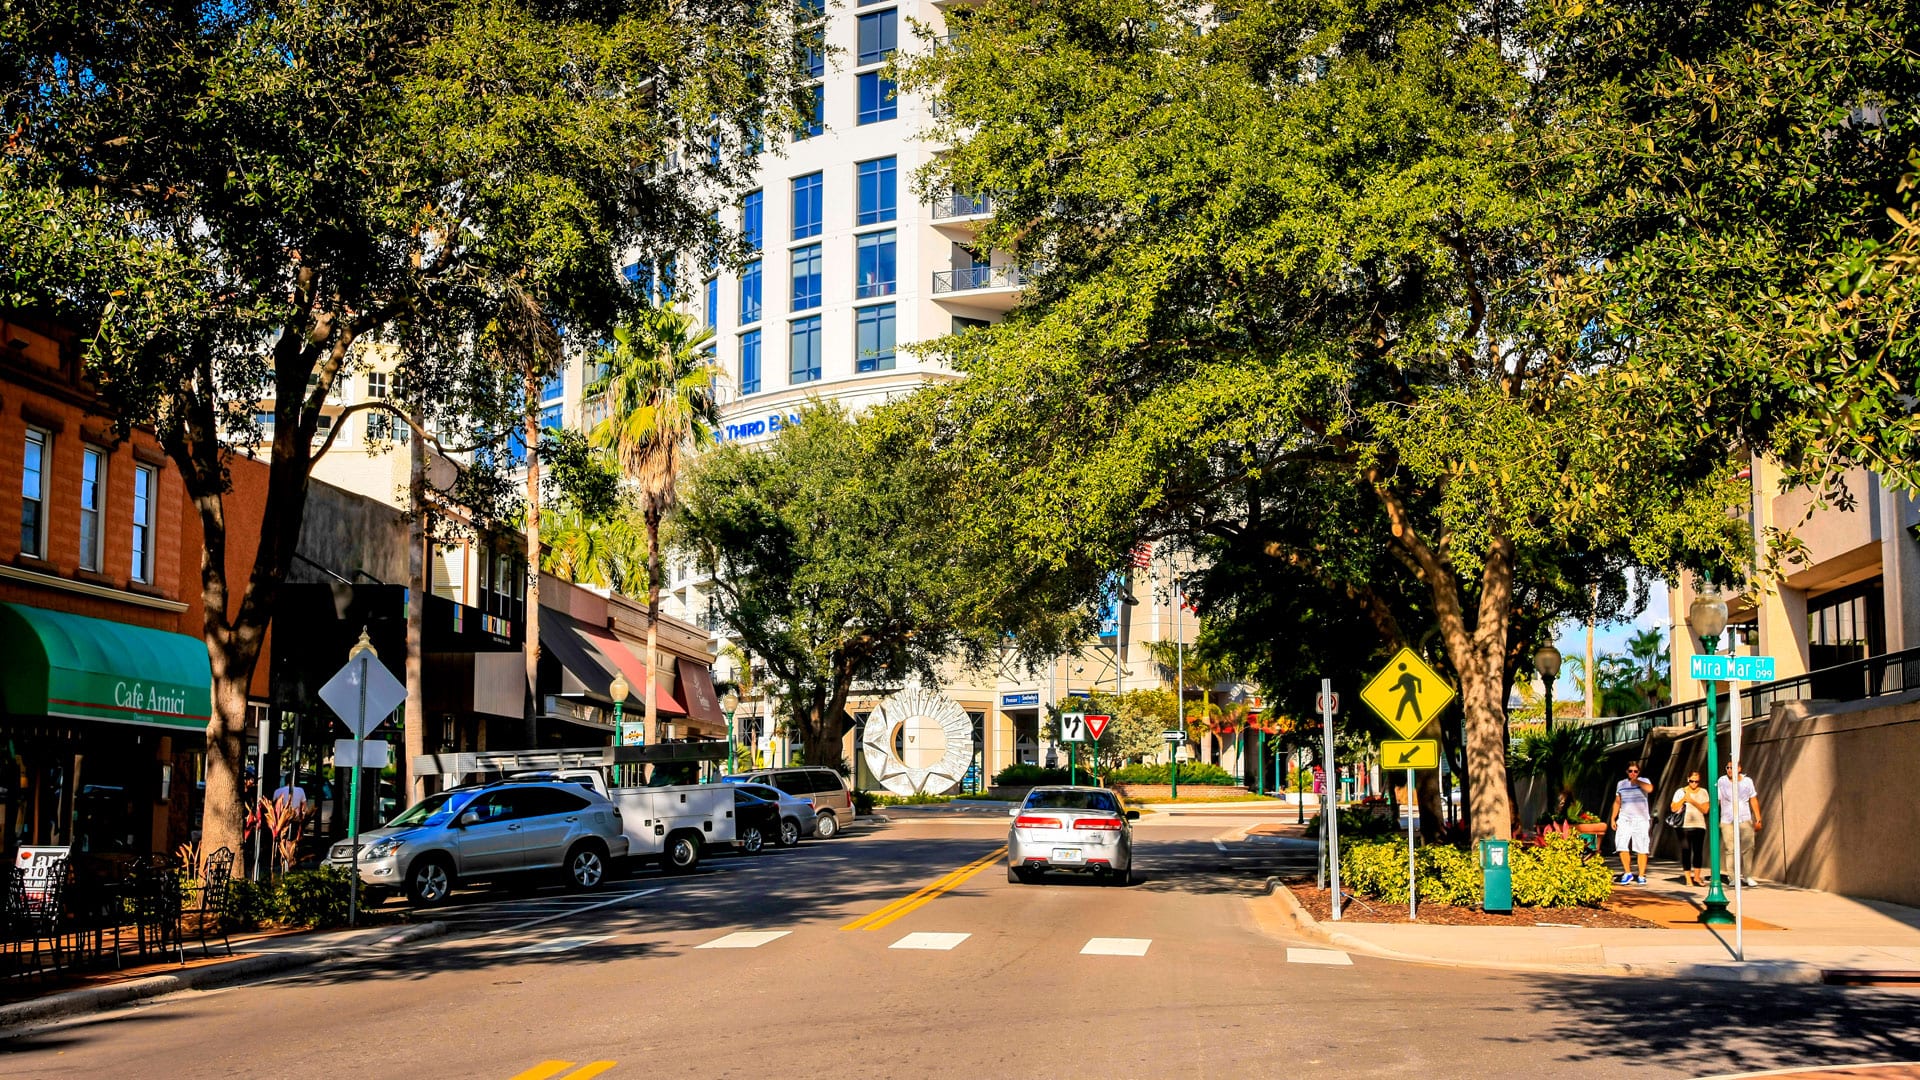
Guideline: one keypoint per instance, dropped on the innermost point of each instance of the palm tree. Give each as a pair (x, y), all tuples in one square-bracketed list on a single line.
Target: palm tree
[(1648, 648), (658, 387), (599, 553)]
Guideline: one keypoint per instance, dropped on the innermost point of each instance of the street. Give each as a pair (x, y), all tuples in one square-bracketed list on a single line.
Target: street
[(901, 950)]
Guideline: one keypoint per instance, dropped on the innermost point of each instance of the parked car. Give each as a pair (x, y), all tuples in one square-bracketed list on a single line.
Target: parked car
[(756, 821), (832, 800), (490, 832), (1085, 830), (797, 816)]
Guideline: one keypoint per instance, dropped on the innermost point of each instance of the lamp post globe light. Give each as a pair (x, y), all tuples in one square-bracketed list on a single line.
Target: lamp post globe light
[(1546, 661), (1707, 618), (728, 704)]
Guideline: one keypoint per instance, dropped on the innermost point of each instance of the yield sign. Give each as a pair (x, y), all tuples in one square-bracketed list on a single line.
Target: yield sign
[(1407, 693), (384, 693), (1097, 725)]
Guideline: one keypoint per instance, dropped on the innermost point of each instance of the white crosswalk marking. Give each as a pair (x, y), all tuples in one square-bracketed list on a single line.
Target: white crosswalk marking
[(1116, 946), (1318, 956), (936, 942), (559, 944), (745, 939)]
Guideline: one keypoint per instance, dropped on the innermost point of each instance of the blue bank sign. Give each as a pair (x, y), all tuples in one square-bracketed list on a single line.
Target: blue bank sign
[(1024, 699), (1731, 668), (755, 429)]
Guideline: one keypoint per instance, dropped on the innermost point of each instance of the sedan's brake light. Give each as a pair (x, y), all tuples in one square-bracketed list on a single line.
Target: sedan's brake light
[(1097, 823), (1027, 822)]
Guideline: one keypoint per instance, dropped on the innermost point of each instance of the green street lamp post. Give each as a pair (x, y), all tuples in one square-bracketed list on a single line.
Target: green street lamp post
[(1546, 661), (617, 690), (729, 703), (1707, 618)]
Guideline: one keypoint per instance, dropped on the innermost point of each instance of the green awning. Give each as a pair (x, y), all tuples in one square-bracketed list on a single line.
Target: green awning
[(56, 664)]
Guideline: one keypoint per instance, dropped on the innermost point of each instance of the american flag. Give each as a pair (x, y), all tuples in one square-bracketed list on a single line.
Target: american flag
[(1142, 556)]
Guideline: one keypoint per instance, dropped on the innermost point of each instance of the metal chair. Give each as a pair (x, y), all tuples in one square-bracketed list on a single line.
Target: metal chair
[(216, 881), (154, 894)]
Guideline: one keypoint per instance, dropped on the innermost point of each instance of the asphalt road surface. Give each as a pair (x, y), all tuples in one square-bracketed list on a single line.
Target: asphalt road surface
[(903, 951)]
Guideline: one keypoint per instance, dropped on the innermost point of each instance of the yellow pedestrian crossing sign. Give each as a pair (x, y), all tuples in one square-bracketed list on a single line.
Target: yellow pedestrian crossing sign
[(1407, 693)]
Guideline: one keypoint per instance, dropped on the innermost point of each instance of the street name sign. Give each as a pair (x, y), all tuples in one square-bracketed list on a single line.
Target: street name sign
[(1407, 693), (384, 694), (1073, 727), (1174, 736), (1731, 668), (1410, 754), (1097, 724)]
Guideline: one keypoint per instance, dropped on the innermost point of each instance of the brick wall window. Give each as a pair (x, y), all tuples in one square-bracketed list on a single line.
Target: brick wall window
[(146, 482), (93, 496), (33, 494)]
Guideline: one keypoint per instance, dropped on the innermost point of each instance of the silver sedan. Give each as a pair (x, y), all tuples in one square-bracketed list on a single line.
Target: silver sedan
[(1086, 830)]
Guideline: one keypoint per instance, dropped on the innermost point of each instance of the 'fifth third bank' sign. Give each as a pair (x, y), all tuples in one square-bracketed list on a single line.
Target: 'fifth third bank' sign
[(1730, 668)]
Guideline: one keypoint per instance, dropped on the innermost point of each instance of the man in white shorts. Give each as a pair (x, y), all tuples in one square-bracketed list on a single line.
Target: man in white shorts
[(1632, 822)]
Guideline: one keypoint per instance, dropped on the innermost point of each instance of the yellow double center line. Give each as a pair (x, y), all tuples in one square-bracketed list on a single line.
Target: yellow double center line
[(876, 919)]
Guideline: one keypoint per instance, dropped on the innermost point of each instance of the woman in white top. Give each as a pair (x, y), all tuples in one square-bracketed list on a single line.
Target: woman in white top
[(1692, 803)]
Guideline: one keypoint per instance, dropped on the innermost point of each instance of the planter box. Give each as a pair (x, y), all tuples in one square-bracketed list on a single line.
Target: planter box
[(1140, 792)]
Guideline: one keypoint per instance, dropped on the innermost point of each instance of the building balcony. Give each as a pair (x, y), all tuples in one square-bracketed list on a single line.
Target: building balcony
[(987, 288), (962, 209)]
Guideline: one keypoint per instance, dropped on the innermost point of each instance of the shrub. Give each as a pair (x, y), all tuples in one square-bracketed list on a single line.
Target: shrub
[(1559, 872), (1375, 869), (1358, 825), (312, 898), (863, 802), (1448, 876), (1161, 773), (249, 903), (1028, 776)]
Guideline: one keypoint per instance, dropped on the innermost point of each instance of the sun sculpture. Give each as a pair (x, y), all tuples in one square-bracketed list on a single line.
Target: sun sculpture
[(918, 741)]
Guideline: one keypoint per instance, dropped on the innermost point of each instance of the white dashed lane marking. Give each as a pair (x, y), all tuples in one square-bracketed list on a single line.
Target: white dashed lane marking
[(1116, 946), (745, 939), (1318, 956), (936, 942)]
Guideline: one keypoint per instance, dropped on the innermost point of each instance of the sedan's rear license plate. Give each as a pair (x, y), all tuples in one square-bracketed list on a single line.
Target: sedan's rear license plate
[(1066, 854)]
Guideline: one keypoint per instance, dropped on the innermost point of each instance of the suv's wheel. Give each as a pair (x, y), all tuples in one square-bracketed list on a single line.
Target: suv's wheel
[(789, 832), (429, 881), (752, 840), (586, 866), (682, 853), (826, 826)]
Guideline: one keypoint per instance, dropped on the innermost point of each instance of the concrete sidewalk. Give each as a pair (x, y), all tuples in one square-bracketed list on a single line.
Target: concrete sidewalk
[(253, 956), (1798, 935)]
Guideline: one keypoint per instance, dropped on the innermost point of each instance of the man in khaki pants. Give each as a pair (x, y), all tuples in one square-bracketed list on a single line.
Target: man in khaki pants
[(1739, 809)]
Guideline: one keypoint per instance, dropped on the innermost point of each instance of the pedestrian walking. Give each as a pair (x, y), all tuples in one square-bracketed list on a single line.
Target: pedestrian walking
[(1739, 816), (1692, 804), (1632, 823)]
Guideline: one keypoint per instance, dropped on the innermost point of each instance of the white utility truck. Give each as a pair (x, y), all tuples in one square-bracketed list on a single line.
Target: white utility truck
[(673, 824)]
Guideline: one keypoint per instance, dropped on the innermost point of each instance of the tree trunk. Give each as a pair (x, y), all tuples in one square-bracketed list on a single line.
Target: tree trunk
[(222, 818), (652, 522), (419, 587), (530, 435)]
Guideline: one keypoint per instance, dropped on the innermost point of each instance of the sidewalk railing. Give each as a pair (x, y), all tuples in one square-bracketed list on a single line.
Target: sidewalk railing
[(1855, 680)]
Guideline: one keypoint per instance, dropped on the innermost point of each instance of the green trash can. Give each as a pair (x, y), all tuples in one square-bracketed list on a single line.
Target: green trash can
[(1496, 878)]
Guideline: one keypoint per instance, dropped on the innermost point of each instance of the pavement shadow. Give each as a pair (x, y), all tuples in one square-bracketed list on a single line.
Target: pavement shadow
[(1713, 1027)]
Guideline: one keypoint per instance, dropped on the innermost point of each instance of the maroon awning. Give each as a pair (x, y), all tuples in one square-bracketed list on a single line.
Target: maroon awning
[(696, 688)]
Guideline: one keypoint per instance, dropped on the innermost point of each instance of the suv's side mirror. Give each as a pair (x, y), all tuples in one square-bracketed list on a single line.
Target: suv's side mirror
[(1133, 815), (471, 817)]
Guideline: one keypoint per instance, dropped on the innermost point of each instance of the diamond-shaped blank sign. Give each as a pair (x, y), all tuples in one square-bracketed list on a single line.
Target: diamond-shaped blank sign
[(384, 693)]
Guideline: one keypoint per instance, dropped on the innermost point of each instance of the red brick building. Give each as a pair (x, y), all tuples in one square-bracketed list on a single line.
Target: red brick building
[(103, 678)]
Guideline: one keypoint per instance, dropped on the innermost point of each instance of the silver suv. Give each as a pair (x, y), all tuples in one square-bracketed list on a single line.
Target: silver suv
[(489, 832)]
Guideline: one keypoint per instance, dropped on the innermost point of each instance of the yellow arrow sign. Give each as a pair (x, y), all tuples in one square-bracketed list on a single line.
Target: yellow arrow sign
[(1410, 754), (1407, 693)]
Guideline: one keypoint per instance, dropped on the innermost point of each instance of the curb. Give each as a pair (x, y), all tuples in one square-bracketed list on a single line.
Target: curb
[(100, 998), (1753, 971)]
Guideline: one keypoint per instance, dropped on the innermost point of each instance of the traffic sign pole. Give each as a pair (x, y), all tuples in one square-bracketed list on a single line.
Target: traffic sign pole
[(1327, 800), (353, 809), (1412, 803)]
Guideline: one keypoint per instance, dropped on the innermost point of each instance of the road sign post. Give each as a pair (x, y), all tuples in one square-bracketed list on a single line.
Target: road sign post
[(363, 694), (1408, 694), (1328, 818)]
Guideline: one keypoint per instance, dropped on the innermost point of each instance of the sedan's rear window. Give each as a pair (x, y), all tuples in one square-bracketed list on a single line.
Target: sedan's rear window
[(1072, 800)]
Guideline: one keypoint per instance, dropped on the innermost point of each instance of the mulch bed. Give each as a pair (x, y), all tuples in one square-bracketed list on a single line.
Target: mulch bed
[(1319, 905)]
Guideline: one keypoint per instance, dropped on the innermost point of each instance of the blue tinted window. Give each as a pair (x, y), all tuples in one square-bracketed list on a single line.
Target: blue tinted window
[(873, 339), (713, 302), (553, 390), (874, 265), (813, 108), (750, 362), (808, 193), (806, 277), (879, 36), (750, 292), (876, 192), (751, 209), (806, 350), (878, 99)]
